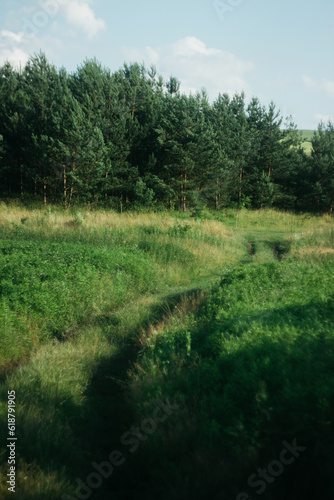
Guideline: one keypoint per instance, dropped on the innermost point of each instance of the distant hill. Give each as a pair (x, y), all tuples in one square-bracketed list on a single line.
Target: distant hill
[(307, 136)]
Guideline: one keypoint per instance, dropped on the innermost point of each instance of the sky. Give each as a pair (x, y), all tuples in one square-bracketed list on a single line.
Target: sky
[(280, 51)]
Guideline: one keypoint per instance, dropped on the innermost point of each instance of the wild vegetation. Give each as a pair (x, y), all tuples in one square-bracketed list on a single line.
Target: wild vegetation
[(307, 136), (166, 290), (129, 139), (226, 316)]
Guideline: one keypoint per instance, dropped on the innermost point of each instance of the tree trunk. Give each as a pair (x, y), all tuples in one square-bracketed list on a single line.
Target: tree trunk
[(70, 199), (134, 103), (21, 183), (71, 190), (240, 187), (184, 195), (183, 202), (217, 198), (64, 180), (44, 191)]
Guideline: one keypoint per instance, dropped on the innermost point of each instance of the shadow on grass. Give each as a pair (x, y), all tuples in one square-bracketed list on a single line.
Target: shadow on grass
[(241, 406), (280, 248), (109, 413), (58, 437)]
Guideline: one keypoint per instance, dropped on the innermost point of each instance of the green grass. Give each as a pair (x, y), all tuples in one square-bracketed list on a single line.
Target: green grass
[(56, 273), (307, 134), (228, 314), (56, 286), (307, 146), (77, 289), (252, 368)]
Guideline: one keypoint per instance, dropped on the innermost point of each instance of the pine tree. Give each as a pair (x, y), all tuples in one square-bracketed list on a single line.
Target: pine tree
[(239, 148), (67, 145), (39, 83), (13, 128), (322, 161), (290, 176), (179, 136), (126, 139), (273, 148), (220, 120)]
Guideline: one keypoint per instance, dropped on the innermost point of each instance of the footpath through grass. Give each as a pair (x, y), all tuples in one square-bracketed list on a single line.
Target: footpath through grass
[(77, 289), (252, 372), (59, 271), (104, 316)]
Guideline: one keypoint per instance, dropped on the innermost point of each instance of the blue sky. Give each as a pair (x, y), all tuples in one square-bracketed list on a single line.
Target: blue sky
[(275, 50)]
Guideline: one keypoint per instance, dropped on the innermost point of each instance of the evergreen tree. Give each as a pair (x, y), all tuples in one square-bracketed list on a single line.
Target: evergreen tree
[(180, 137), (66, 143), (220, 178), (13, 128), (39, 83), (90, 87), (291, 173), (239, 150), (127, 140), (322, 161)]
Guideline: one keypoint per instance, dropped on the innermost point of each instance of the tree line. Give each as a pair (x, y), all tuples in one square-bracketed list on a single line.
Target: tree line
[(129, 139)]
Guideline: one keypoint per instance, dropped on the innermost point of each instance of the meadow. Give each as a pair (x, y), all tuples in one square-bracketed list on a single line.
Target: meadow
[(227, 317), (307, 136)]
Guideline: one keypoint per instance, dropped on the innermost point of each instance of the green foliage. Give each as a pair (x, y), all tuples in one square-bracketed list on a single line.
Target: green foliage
[(57, 285), (323, 166), (76, 289), (90, 324), (252, 367), (144, 195), (130, 140), (173, 344)]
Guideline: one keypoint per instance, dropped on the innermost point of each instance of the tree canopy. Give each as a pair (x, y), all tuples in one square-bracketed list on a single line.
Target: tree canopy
[(129, 139)]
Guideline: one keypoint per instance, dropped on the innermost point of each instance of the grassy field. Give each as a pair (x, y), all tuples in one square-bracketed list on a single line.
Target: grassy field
[(166, 356), (307, 136)]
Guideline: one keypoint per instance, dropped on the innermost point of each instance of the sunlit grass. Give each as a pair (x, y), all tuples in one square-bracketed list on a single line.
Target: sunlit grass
[(102, 283)]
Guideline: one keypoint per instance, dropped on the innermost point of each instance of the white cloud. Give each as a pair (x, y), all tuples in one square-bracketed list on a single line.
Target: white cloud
[(11, 49), (16, 56), (46, 25), (323, 85), (196, 65), (14, 37), (17, 48), (80, 15), (191, 46)]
